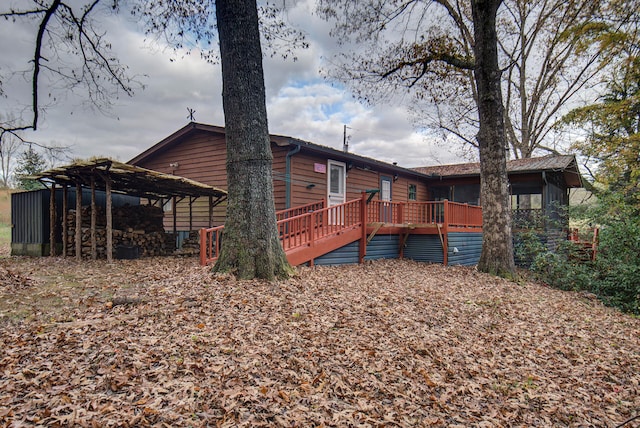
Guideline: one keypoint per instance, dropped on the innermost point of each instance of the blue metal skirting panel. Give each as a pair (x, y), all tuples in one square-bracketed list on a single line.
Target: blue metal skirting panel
[(464, 248), (349, 254), (424, 248), (383, 247)]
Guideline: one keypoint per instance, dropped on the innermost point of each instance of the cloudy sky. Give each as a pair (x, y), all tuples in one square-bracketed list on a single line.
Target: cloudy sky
[(300, 102)]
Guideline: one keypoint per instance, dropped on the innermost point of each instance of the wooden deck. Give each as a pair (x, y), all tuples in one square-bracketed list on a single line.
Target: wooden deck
[(313, 230)]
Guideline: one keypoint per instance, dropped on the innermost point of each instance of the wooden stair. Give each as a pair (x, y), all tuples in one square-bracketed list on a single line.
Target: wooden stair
[(322, 246)]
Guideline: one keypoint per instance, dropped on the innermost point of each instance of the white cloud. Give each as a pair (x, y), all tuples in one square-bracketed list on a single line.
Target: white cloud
[(300, 103)]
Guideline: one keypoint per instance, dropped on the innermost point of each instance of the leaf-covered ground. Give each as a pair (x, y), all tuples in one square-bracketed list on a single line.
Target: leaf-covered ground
[(161, 342)]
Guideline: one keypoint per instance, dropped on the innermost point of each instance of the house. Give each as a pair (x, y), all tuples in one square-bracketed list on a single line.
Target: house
[(399, 220), (303, 172), (539, 188), (333, 206)]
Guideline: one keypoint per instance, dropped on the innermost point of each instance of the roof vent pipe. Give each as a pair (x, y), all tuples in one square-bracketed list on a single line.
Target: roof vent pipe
[(345, 140)]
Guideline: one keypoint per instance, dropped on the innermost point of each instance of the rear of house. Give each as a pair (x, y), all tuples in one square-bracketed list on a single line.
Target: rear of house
[(303, 172)]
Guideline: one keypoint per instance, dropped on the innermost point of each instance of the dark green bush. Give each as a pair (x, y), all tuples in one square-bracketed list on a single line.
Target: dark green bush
[(615, 274)]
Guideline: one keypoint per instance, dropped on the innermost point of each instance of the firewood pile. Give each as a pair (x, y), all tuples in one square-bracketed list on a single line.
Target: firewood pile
[(191, 245), (136, 227)]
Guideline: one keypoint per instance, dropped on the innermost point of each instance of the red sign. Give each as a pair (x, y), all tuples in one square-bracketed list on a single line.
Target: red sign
[(320, 167)]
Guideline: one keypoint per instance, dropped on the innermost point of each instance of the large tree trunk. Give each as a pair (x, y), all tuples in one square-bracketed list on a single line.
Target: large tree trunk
[(251, 247), (497, 246)]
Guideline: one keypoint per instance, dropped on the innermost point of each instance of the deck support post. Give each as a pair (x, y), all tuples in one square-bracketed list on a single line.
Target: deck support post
[(363, 224), (445, 234)]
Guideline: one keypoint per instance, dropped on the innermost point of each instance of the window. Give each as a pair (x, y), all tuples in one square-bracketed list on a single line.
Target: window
[(167, 205), (413, 192)]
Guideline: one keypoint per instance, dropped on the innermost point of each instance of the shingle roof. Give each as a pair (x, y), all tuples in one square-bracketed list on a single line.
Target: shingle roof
[(279, 140), (557, 163)]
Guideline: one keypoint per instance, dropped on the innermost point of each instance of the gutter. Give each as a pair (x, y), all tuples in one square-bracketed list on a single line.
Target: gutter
[(287, 174)]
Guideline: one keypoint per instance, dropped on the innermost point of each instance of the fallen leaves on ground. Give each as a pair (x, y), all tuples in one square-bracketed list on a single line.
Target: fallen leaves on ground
[(388, 343)]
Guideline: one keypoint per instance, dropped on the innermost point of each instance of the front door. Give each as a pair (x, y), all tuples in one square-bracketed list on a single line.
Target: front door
[(385, 197), (336, 188)]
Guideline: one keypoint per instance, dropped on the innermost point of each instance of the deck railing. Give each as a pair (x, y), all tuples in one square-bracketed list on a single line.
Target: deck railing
[(452, 214), (306, 229), (463, 215), (315, 221), (302, 209), (210, 244)]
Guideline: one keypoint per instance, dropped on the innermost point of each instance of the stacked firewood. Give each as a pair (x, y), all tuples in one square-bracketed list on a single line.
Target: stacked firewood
[(191, 245), (138, 226)]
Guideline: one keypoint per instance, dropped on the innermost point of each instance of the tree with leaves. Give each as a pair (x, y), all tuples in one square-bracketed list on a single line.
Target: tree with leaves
[(551, 52), (29, 163), (612, 125), (435, 53), (251, 247)]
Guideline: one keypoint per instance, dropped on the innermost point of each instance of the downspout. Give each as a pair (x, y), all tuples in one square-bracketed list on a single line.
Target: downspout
[(287, 175)]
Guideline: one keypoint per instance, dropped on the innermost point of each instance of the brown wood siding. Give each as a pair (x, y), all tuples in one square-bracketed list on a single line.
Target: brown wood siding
[(202, 157), (302, 175), (400, 189), (358, 180)]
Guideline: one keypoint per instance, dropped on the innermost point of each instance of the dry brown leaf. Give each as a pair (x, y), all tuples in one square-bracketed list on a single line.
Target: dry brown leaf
[(388, 343)]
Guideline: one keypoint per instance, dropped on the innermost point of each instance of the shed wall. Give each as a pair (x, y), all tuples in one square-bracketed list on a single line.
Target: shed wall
[(30, 217)]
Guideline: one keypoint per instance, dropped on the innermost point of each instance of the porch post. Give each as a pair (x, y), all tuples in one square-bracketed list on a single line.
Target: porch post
[(94, 220), (78, 221), (65, 211), (363, 224), (445, 234), (52, 220), (109, 215)]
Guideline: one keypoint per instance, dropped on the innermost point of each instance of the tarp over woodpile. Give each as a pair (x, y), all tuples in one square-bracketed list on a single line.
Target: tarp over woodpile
[(129, 179)]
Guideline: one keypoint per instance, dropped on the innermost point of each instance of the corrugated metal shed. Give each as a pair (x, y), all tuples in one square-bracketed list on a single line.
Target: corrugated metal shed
[(30, 221)]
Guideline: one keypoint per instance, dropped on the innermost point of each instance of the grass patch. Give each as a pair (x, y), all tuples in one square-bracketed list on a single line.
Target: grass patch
[(5, 234)]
